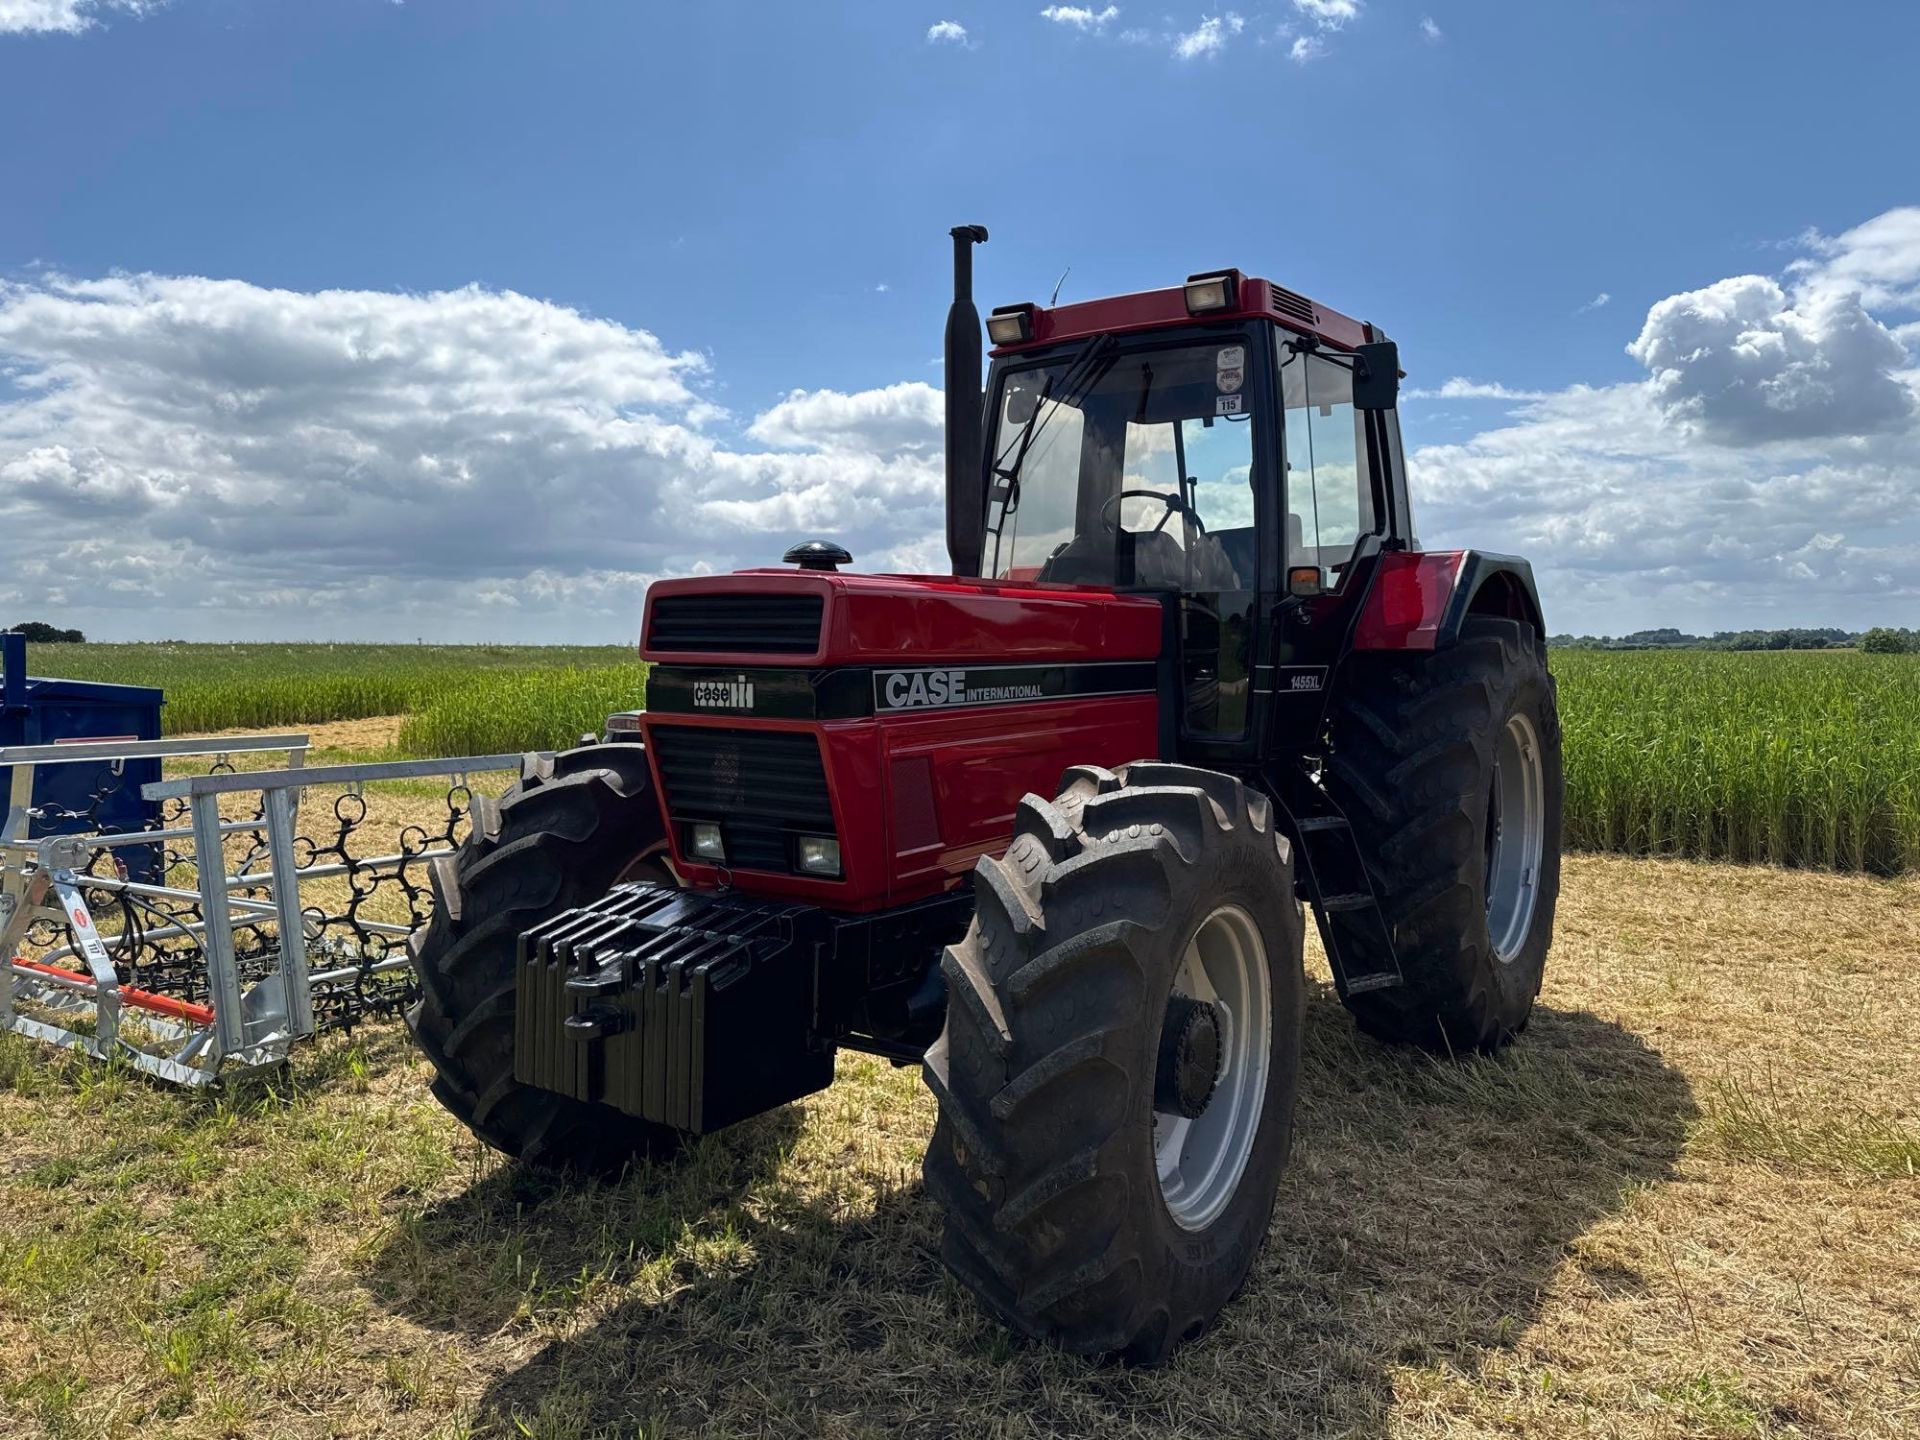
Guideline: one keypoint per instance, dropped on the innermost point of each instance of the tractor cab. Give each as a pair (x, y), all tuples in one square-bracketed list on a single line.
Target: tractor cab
[(1227, 445)]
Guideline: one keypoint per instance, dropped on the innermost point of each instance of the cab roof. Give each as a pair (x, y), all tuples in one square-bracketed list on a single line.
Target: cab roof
[(1255, 299)]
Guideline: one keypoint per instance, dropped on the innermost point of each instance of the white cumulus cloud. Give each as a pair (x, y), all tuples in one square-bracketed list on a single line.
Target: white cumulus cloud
[(1209, 37), (1760, 474), (1879, 261), (1430, 28), (1460, 388), (899, 418), (211, 458), (1742, 361), (1331, 14), (1306, 48), (63, 17), (946, 32), (186, 456), (1080, 17)]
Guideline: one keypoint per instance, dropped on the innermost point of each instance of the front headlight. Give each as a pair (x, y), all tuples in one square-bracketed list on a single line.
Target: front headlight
[(819, 855), (704, 842)]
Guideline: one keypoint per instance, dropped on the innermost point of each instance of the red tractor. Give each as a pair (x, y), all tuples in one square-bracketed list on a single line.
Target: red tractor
[(1044, 825)]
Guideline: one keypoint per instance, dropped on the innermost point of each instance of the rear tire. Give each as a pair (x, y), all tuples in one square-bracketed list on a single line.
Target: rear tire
[(1425, 750), (1073, 1209), (562, 837)]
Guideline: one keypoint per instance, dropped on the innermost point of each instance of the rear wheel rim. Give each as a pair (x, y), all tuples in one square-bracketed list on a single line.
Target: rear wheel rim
[(1201, 1160), (1516, 829)]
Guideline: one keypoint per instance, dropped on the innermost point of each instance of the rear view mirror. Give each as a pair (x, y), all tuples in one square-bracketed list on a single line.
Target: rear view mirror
[(1022, 400), (1376, 376)]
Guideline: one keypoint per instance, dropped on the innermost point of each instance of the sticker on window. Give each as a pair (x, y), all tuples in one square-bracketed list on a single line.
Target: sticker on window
[(1230, 405), (1230, 370)]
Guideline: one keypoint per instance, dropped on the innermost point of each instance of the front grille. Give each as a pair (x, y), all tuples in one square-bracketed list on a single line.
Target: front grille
[(1298, 306), (762, 787), (780, 624)]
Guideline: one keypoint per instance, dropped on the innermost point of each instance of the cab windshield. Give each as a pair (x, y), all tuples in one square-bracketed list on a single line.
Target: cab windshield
[(1129, 468)]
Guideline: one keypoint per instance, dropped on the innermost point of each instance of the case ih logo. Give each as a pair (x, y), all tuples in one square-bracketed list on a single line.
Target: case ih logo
[(734, 694)]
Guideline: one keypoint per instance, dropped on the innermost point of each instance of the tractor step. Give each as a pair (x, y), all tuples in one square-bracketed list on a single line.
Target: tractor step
[(1323, 822), (1352, 926), (1373, 982)]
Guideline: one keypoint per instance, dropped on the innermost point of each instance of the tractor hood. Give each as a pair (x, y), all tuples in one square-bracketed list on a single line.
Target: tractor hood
[(894, 719), (817, 619)]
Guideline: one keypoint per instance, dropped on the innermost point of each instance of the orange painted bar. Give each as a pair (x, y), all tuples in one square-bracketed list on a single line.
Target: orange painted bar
[(139, 999)]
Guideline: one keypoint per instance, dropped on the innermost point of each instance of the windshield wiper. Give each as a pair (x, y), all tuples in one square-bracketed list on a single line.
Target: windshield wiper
[(1089, 362), (1087, 365)]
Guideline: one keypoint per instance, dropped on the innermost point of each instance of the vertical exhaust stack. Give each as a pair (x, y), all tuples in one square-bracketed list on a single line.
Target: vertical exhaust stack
[(966, 474)]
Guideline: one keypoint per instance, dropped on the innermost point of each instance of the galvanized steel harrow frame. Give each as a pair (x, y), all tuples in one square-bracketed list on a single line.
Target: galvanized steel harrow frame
[(210, 968)]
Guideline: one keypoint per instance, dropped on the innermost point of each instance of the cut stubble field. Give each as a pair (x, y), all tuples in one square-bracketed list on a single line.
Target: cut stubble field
[(1684, 1204)]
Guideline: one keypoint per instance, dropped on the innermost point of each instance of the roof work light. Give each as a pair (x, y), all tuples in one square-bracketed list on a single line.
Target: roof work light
[(1010, 324), (1215, 290)]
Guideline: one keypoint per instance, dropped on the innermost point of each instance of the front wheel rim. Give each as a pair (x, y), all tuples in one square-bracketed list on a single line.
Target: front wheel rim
[(1516, 831), (1201, 1160), (654, 866)]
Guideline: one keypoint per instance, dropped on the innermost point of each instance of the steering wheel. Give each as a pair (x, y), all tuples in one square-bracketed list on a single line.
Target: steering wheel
[(1176, 505)]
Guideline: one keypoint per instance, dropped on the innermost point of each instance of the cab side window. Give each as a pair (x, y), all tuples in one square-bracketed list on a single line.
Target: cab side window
[(1330, 499)]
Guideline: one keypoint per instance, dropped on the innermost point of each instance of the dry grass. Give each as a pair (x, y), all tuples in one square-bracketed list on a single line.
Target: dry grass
[(1684, 1205), (375, 736)]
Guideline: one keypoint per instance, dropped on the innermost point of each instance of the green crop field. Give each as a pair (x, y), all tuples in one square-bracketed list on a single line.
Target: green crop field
[(228, 687), (1792, 758), (523, 710), (1805, 759)]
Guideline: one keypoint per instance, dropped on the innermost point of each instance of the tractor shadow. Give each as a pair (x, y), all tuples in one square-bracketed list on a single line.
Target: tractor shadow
[(1426, 1209), (520, 1241)]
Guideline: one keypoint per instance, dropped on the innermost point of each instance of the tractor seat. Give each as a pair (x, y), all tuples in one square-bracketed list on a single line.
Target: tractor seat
[(1159, 562), (1083, 560)]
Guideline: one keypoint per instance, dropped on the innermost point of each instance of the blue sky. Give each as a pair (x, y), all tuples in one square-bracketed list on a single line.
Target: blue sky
[(732, 202)]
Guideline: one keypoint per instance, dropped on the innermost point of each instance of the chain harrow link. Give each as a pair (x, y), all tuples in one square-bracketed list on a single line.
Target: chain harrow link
[(154, 940)]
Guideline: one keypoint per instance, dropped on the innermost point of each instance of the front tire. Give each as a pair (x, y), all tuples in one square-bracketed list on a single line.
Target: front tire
[(1448, 768), (1117, 1075), (562, 837)]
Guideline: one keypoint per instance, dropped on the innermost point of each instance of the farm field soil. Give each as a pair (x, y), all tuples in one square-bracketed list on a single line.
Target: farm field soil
[(372, 735), (1685, 1204)]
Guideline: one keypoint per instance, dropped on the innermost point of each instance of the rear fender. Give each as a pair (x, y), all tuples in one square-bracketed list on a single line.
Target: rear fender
[(1420, 599)]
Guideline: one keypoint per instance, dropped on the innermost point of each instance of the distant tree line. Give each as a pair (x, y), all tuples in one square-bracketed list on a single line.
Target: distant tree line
[(1884, 641), (40, 633), (1879, 641)]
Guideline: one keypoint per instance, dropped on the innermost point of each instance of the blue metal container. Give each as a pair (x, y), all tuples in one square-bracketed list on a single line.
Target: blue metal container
[(36, 710)]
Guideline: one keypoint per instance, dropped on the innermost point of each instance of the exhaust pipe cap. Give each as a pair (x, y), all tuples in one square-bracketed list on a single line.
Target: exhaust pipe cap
[(818, 555)]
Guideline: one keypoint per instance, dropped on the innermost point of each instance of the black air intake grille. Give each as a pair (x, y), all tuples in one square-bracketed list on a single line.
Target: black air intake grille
[(1298, 306), (737, 624), (762, 786)]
